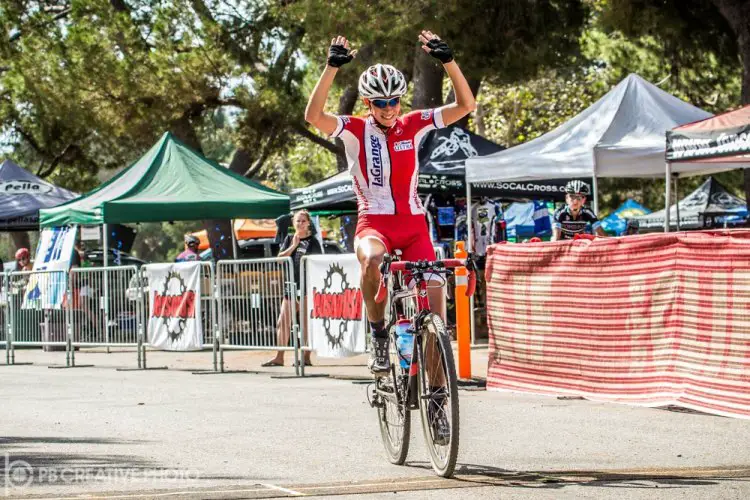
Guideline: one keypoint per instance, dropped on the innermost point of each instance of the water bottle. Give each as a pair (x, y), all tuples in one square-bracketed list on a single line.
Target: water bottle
[(404, 342)]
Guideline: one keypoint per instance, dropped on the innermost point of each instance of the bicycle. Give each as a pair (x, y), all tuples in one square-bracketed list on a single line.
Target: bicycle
[(427, 378)]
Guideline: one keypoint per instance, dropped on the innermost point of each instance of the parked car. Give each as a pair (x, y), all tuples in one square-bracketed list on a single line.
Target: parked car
[(267, 247)]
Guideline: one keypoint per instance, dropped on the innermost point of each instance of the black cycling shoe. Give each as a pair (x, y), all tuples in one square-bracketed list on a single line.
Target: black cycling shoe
[(380, 362), (441, 428)]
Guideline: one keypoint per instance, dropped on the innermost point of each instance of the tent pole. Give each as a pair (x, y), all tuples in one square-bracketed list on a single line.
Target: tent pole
[(105, 260), (667, 196), (234, 240), (469, 231), (595, 187), (677, 200), (105, 244)]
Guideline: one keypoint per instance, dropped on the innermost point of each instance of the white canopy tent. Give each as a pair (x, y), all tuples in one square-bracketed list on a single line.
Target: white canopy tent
[(620, 135)]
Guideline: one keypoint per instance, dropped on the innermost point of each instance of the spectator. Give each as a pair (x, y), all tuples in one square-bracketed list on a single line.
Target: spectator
[(23, 260), (574, 218), (301, 243), (82, 302), (632, 227), (191, 250)]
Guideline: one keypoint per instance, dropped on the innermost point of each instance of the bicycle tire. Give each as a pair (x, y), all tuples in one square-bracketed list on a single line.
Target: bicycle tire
[(442, 457), (395, 419)]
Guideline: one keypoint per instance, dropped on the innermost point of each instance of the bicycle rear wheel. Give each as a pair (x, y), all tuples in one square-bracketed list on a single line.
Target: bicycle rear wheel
[(438, 370), (394, 417)]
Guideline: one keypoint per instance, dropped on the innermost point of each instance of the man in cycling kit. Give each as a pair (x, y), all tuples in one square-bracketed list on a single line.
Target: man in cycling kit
[(574, 218), (381, 150)]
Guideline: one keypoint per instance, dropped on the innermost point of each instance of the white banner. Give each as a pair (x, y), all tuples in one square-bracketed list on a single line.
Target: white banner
[(174, 292), (334, 305), (53, 253)]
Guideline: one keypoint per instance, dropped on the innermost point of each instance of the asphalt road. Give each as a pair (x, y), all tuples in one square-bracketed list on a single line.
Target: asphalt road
[(173, 434)]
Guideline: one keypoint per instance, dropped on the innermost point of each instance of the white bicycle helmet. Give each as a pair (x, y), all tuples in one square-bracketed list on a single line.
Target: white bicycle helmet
[(577, 187), (380, 81)]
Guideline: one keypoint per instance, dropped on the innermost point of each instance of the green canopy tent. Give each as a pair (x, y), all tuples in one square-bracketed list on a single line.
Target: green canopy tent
[(170, 182)]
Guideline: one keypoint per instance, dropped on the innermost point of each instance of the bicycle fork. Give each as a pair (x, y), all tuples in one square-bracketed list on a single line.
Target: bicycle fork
[(412, 390)]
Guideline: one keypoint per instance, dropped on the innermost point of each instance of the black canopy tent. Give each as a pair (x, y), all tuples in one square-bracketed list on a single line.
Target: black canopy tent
[(711, 205), (23, 194), (442, 157)]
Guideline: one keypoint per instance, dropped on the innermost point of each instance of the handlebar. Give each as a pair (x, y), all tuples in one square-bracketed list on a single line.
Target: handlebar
[(436, 267)]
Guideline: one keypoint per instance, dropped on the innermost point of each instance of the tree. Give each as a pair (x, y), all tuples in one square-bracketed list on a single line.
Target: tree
[(93, 83), (513, 113), (507, 42), (696, 34)]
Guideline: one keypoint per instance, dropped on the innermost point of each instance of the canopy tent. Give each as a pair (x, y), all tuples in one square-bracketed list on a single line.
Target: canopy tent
[(616, 222), (442, 168), (710, 205), (23, 194), (722, 138), (442, 158), (332, 194), (170, 182), (620, 135), (244, 229)]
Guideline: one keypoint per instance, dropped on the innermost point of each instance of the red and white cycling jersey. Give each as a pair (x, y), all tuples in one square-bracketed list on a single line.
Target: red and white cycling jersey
[(384, 165)]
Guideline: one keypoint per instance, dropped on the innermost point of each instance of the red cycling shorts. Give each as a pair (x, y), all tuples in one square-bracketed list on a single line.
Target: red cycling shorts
[(408, 233)]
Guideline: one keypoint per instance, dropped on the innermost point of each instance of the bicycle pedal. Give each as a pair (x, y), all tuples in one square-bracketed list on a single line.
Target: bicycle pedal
[(373, 398)]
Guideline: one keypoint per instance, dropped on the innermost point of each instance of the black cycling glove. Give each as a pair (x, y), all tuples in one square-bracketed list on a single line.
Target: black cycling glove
[(338, 55), (440, 50)]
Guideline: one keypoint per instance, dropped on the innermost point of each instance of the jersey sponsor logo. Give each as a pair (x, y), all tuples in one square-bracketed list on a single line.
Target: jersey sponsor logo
[(345, 119), (403, 145), (425, 115), (376, 168)]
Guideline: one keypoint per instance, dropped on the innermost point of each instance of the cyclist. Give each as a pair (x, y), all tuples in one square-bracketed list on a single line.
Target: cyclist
[(574, 218), (381, 150), (191, 250), (23, 260), (632, 227)]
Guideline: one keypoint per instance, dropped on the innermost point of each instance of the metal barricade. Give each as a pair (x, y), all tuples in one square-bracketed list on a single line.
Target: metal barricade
[(209, 317), (439, 252), (209, 299), (251, 295), (102, 310), (4, 318), (307, 303), (37, 310)]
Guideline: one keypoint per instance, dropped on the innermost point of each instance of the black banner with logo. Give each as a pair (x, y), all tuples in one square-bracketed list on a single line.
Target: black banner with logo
[(686, 146)]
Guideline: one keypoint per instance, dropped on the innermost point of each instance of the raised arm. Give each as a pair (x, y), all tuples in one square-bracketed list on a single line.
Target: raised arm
[(465, 103), (315, 114)]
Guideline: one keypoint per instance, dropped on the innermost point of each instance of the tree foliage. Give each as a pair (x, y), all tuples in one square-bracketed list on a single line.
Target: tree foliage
[(87, 85)]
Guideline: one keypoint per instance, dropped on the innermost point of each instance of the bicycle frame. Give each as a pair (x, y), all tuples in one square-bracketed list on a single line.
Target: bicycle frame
[(398, 294)]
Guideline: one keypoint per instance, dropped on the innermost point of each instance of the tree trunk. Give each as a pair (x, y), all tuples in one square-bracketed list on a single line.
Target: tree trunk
[(20, 240), (737, 14), (219, 230), (184, 131), (241, 161), (428, 81), (474, 85)]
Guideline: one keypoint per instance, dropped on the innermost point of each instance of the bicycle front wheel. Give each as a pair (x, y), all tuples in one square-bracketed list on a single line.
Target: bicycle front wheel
[(394, 417), (438, 390)]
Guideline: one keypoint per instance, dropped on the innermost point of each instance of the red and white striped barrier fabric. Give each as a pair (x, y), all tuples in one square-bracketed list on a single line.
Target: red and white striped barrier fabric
[(650, 320)]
